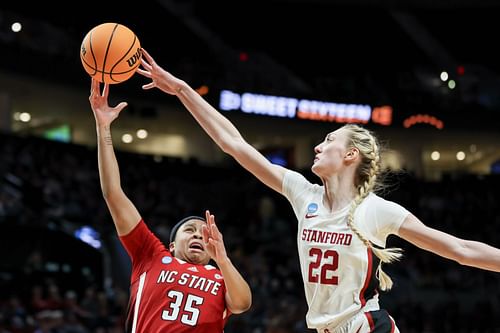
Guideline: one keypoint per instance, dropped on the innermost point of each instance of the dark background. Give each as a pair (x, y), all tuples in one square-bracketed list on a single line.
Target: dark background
[(364, 51)]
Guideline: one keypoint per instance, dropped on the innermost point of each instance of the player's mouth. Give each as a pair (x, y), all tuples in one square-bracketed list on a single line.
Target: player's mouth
[(196, 246)]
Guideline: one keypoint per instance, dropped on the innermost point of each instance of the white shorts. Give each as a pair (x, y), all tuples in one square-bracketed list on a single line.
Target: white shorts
[(378, 321)]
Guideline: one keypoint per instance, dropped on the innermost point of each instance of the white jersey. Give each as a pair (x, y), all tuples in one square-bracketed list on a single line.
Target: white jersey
[(338, 270)]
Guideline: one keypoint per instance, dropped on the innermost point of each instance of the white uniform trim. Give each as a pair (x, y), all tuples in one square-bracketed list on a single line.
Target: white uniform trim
[(138, 301)]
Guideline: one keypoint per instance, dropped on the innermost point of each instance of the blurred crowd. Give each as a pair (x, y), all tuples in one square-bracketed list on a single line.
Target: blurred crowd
[(51, 185)]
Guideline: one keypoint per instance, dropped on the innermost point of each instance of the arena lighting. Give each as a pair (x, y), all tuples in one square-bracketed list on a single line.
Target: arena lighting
[(25, 117), (141, 133), (202, 90), (443, 76), (89, 235), (435, 155), (16, 27), (288, 107), (243, 56), (382, 115), (423, 119), (127, 138)]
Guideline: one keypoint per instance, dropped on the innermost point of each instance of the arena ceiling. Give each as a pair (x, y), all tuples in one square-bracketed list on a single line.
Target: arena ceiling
[(366, 51)]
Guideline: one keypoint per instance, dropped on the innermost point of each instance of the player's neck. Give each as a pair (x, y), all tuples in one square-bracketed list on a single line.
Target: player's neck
[(339, 192)]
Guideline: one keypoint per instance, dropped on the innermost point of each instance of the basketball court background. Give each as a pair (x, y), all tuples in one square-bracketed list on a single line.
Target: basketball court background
[(363, 52)]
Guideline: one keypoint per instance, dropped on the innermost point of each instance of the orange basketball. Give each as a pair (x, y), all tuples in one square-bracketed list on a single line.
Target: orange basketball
[(110, 53)]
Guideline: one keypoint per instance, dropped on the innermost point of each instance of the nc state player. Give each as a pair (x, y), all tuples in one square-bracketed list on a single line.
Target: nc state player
[(174, 289)]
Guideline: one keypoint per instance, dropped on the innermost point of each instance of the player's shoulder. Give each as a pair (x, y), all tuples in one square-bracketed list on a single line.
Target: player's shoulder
[(372, 202), (373, 198), (380, 205)]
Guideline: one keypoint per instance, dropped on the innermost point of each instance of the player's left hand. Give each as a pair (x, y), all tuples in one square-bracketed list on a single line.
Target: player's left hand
[(213, 240), (160, 78)]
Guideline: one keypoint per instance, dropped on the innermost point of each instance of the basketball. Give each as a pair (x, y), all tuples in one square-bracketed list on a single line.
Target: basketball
[(110, 53)]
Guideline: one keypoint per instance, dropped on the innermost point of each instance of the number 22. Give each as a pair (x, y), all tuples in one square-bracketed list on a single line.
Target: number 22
[(332, 264)]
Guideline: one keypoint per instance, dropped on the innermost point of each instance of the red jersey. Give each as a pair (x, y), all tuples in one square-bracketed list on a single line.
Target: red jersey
[(168, 294)]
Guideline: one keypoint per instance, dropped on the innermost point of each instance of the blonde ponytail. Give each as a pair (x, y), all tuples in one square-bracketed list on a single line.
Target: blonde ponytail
[(387, 256)]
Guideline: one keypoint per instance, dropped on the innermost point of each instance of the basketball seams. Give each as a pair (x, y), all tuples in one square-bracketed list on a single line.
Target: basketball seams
[(107, 50), (92, 51), (123, 57), (110, 73), (88, 40)]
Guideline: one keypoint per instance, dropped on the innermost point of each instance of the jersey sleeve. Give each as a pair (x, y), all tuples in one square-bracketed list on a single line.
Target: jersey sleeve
[(295, 187), (141, 244), (388, 217)]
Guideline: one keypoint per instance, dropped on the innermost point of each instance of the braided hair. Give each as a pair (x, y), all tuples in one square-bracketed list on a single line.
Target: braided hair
[(366, 180)]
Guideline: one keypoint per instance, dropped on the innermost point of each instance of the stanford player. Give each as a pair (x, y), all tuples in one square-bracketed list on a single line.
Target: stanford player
[(342, 223)]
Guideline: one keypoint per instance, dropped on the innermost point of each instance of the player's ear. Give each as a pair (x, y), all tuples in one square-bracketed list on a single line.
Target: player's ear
[(352, 154), (171, 247)]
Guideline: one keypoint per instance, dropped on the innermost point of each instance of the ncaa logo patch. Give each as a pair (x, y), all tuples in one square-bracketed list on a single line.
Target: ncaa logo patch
[(166, 260), (312, 208)]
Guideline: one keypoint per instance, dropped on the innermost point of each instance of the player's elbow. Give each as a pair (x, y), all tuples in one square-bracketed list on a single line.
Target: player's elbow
[(228, 147), (241, 304), (463, 254), (242, 307), (110, 189), (105, 193), (111, 196), (231, 144)]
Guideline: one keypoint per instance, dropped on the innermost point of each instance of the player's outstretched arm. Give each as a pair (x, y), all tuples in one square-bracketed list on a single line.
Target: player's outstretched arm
[(218, 127), (465, 252), (124, 213)]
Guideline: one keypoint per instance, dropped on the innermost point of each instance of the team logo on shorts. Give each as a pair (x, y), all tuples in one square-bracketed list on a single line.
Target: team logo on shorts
[(312, 208), (166, 260)]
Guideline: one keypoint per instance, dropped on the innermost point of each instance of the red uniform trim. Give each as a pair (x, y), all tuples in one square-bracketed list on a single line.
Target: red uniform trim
[(367, 279)]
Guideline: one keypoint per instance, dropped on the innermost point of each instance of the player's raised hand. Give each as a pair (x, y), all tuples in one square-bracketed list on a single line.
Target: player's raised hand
[(160, 78), (103, 113), (213, 240)]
